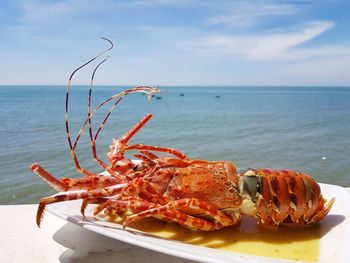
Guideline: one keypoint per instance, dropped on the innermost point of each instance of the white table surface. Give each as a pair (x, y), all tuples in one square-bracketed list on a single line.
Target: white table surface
[(59, 241)]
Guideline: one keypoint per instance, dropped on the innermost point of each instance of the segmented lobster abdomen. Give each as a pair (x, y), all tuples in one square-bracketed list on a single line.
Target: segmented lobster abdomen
[(286, 196)]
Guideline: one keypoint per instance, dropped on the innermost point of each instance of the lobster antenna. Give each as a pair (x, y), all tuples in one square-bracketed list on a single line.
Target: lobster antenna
[(90, 91), (118, 97), (148, 90), (89, 106), (92, 140), (67, 103), (145, 89)]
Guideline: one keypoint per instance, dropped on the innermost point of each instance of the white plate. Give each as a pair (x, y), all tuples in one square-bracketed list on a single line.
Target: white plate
[(334, 240)]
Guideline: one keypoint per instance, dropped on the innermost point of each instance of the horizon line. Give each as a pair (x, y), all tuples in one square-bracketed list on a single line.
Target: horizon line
[(185, 85)]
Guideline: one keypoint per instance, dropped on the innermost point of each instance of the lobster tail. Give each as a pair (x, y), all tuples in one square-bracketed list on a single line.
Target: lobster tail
[(283, 197)]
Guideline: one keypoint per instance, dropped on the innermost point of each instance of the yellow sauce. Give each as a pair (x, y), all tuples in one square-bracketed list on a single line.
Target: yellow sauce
[(290, 243)]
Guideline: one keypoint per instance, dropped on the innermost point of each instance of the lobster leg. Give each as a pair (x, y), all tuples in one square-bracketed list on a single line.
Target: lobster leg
[(58, 185), (121, 143), (86, 202), (116, 154), (61, 197), (137, 190), (121, 203), (135, 205), (66, 184), (150, 155), (142, 187), (171, 151), (144, 158), (189, 221), (117, 149)]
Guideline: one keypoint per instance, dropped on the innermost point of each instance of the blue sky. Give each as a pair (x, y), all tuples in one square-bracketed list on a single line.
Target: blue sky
[(177, 42)]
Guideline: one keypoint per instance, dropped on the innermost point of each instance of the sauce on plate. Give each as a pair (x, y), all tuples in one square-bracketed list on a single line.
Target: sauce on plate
[(290, 243)]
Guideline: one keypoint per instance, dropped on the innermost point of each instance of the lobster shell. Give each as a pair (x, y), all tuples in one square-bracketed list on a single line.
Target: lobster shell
[(212, 182), (287, 197)]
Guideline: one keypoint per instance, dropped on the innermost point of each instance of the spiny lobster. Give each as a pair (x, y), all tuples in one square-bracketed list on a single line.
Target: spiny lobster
[(198, 194)]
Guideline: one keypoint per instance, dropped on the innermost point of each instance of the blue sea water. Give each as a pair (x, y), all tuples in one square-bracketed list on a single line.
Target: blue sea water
[(301, 128)]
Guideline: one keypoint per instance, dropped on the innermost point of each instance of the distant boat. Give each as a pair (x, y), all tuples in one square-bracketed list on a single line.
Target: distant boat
[(217, 96), (182, 94)]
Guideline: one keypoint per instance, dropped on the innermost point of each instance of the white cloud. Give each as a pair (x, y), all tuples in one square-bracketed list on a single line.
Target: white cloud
[(67, 31), (249, 14), (280, 46), (271, 46)]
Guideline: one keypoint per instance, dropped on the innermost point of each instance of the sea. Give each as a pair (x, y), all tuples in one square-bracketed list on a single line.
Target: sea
[(301, 128)]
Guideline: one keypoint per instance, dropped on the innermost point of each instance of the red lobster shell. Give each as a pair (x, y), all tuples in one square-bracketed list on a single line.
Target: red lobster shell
[(277, 197)]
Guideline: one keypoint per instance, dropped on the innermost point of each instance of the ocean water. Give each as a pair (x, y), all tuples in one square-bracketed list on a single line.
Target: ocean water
[(305, 129)]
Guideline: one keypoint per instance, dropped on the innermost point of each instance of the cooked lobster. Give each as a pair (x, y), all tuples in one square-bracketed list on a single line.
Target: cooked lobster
[(198, 194)]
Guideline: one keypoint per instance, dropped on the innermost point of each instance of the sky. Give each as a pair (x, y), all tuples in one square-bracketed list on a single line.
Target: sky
[(177, 42)]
